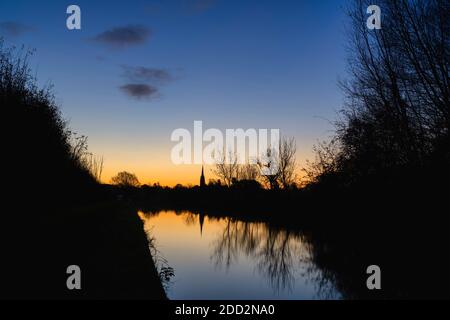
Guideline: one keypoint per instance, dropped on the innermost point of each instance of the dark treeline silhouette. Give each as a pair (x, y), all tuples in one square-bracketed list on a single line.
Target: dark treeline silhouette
[(395, 124), (385, 172), (45, 158), (49, 221)]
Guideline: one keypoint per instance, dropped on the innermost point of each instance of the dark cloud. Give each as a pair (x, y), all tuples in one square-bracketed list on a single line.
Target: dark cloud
[(14, 29), (140, 91), (144, 74), (124, 36)]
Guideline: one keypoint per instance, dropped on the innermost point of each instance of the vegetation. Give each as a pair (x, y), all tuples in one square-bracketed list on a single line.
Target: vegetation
[(396, 115), (41, 147), (51, 185), (274, 169), (125, 180)]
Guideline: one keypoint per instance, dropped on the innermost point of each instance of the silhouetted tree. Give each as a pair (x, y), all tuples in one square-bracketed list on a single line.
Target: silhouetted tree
[(125, 179), (397, 105), (227, 168), (287, 164), (278, 167), (325, 163), (268, 165), (248, 171)]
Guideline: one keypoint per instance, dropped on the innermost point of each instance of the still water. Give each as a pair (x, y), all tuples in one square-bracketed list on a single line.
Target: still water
[(225, 258)]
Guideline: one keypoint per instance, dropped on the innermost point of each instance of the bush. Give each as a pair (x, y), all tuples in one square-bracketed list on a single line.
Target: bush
[(37, 143)]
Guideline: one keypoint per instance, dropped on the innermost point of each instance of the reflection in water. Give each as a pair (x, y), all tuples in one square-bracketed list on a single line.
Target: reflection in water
[(165, 271), (273, 251), (229, 258)]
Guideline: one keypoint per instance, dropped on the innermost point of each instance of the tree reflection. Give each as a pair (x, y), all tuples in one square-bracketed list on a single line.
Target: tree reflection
[(226, 248), (278, 253)]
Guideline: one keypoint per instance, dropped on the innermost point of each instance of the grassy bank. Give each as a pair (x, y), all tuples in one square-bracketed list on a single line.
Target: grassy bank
[(106, 240)]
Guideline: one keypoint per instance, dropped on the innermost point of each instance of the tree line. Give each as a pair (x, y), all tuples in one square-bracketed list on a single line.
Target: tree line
[(396, 111)]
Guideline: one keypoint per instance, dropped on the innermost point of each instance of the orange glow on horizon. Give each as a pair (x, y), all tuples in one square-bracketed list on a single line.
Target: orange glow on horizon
[(166, 174), (150, 160)]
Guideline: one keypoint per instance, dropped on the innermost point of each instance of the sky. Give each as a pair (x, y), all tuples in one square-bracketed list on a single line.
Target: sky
[(138, 70)]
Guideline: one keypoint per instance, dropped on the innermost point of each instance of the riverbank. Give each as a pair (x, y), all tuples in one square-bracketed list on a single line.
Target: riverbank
[(106, 240)]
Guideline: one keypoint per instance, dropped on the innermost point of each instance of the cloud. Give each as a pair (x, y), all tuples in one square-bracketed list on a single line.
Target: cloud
[(145, 74), (140, 91), (14, 29), (144, 82), (124, 36)]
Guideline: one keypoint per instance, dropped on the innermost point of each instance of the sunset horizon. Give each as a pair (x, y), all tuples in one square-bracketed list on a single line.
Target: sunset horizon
[(225, 159), (136, 91)]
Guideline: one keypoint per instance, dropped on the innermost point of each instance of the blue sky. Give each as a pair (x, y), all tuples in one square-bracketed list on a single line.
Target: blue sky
[(232, 64)]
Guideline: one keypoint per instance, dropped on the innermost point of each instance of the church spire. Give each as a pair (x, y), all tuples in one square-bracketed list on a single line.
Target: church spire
[(202, 179)]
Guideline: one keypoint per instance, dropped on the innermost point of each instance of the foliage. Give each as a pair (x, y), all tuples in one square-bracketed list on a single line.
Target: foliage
[(396, 112), (125, 179)]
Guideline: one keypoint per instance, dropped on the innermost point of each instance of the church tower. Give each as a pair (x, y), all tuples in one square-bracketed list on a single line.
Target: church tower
[(202, 179)]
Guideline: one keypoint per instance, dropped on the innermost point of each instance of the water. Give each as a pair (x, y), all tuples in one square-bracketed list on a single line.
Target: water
[(225, 258)]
